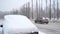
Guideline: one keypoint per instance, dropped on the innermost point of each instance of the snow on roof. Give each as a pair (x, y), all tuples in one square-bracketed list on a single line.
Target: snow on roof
[(14, 16), (18, 22)]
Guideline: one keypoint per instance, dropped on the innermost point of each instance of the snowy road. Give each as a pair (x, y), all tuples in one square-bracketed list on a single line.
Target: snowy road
[(49, 28)]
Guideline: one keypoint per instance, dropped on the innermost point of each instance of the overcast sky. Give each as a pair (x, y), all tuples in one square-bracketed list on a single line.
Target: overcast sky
[(7, 5)]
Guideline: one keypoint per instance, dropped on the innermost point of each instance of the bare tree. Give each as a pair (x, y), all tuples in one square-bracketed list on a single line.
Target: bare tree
[(57, 10), (46, 9), (32, 9), (37, 8), (23, 10), (50, 10), (28, 10), (54, 7), (41, 9)]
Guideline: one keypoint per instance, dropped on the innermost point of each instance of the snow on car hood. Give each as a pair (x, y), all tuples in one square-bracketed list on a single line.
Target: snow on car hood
[(18, 23)]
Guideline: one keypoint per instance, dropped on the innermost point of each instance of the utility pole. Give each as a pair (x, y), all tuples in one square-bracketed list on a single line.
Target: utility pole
[(32, 9), (50, 10)]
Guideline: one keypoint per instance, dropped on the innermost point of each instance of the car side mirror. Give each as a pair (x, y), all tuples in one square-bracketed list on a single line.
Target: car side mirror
[(1, 25)]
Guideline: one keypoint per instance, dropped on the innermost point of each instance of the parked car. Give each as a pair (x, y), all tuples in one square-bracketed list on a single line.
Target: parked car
[(18, 24), (42, 21)]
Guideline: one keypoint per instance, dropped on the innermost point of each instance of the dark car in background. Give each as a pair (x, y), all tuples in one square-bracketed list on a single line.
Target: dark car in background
[(42, 21)]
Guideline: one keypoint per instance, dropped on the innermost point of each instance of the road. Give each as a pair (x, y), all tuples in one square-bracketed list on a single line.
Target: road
[(51, 28)]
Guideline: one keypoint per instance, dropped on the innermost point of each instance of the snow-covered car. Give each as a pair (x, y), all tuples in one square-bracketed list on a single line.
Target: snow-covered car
[(18, 24)]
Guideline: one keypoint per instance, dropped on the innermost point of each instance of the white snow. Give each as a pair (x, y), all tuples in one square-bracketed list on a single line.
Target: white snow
[(17, 24)]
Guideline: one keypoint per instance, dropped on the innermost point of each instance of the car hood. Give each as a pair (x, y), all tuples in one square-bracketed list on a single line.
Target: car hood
[(17, 24)]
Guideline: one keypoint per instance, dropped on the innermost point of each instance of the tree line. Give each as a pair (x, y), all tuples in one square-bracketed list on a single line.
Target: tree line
[(50, 11), (37, 11)]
